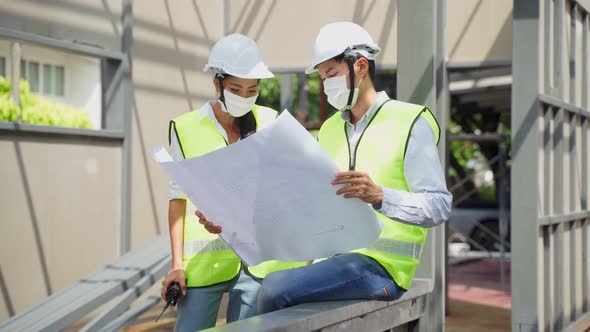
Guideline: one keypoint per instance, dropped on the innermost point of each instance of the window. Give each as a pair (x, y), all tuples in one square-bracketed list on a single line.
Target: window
[(48, 88), (33, 76), (2, 66), (29, 70), (48, 100), (59, 80), (23, 70), (44, 78), (53, 80)]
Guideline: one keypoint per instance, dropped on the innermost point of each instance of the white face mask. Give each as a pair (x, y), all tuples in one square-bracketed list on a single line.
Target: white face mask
[(236, 105), (337, 91)]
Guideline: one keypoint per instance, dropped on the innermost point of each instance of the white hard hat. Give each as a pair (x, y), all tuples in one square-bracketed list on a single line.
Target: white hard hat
[(237, 55), (335, 38)]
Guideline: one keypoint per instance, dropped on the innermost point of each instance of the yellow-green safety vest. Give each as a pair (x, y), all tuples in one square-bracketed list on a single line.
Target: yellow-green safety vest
[(380, 153), (207, 258)]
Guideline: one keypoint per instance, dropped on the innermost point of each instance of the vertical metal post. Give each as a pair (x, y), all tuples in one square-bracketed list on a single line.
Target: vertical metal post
[(527, 290), (558, 209), (126, 109), (586, 61), (558, 36), (548, 52), (572, 63), (15, 57), (302, 112), (585, 164), (226, 18), (418, 64), (586, 105), (443, 107), (502, 205), (287, 92)]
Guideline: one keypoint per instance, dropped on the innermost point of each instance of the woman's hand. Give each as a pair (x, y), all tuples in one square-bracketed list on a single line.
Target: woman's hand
[(358, 185), (209, 226), (174, 276)]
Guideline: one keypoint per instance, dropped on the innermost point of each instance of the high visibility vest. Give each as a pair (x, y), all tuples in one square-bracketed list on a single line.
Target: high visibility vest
[(207, 258), (380, 153)]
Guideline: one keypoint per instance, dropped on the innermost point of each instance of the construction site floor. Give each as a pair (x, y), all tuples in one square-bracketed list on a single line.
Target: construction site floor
[(477, 299)]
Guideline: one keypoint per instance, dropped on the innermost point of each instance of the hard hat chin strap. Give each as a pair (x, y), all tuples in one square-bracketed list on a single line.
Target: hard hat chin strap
[(350, 59), (219, 78)]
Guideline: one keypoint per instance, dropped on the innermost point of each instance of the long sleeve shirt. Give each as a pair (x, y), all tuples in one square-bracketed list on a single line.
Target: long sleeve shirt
[(428, 203)]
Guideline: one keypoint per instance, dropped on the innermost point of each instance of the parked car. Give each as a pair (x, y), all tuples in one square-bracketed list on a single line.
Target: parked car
[(479, 224)]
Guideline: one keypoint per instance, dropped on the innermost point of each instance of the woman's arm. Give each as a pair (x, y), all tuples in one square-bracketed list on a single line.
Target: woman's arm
[(176, 211)]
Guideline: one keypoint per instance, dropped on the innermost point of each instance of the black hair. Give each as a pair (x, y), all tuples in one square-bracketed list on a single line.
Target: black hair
[(247, 122), (340, 58)]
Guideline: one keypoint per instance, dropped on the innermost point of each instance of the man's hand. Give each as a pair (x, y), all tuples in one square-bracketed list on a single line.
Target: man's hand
[(173, 276), (358, 185), (209, 226)]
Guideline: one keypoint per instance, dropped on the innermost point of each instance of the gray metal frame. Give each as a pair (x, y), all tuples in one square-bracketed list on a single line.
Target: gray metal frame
[(60, 45), (122, 303), (123, 280), (125, 92), (28, 129), (550, 163), (421, 68), (116, 100)]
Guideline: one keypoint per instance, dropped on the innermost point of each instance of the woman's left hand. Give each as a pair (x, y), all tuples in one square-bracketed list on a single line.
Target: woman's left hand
[(358, 185), (209, 226)]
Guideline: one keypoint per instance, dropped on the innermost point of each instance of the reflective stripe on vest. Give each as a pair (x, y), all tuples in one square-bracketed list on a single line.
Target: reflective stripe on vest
[(397, 247), (380, 152), (193, 247)]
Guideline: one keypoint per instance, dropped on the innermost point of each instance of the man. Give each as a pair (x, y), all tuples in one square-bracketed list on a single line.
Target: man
[(389, 151)]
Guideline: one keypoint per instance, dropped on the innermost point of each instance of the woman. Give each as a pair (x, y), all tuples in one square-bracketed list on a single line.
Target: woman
[(208, 265)]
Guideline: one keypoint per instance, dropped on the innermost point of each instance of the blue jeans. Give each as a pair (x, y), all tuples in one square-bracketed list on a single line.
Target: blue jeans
[(348, 276), (198, 309)]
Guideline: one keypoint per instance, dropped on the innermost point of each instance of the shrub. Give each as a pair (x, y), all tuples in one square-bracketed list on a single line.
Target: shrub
[(39, 110)]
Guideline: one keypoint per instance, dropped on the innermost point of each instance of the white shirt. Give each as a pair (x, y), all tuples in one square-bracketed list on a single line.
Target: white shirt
[(429, 202), (206, 111)]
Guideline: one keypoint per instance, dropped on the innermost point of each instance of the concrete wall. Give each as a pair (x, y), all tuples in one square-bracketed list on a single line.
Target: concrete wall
[(59, 206), (59, 196), (286, 30), (70, 187), (479, 30)]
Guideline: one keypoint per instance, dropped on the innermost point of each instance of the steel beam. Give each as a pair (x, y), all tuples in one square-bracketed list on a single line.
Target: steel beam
[(526, 237), (420, 59)]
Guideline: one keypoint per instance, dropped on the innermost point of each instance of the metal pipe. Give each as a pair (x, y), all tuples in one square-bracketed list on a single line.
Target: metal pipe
[(15, 55), (126, 48)]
